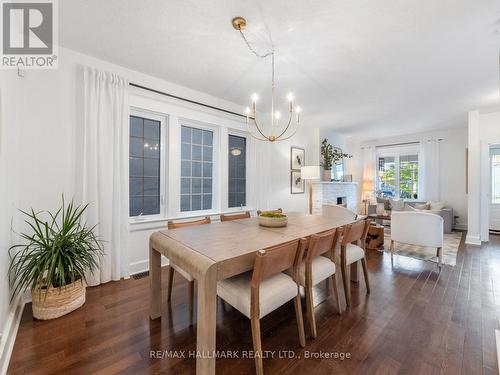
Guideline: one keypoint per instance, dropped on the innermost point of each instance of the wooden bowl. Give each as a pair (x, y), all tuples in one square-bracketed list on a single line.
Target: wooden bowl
[(273, 222)]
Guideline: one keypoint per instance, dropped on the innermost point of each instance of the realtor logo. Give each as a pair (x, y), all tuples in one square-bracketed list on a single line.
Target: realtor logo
[(29, 34)]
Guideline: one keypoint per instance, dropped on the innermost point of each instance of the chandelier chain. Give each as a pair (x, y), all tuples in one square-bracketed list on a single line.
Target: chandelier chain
[(253, 50)]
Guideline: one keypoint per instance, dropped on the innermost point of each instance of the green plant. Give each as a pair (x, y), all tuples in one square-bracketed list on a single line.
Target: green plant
[(272, 214), (331, 155), (58, 252)]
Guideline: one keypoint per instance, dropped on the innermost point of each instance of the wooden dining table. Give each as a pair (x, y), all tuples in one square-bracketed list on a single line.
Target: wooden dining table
[(215, 252)]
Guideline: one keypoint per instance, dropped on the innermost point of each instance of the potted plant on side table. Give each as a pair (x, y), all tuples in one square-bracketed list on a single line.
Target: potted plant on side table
[(52, 262)]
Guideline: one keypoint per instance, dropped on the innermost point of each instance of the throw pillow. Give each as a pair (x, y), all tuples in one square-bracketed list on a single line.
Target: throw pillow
[(409, 208), (437, 206), (397, 205), (423, 206), (385, 201)]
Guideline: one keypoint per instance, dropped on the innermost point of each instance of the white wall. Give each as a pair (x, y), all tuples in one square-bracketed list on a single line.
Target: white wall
[(42, 115), (451, 159), (484, 130)]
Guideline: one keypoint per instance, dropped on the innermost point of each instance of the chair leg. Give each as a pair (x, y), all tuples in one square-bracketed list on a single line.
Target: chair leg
[(440, 256), (257, 346), (171, 272), (191, 302), (346, 280), (336, 291), (392, 247), (365, 272), (310, 311), (300, 319)]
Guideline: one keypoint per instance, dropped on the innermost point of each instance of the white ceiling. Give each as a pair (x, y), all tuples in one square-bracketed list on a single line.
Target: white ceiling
[(364, 68)]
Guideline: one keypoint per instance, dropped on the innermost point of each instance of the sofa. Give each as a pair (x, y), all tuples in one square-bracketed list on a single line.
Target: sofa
[(445, 212)]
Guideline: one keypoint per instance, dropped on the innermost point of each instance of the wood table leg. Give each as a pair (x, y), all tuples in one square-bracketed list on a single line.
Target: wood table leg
[(355, 272), (154, 283), (207, 309)]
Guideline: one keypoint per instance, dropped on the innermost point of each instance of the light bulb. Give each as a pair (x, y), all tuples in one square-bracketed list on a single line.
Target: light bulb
[(247, 110), (298, 109), (277, 114), (255, 97), (290, 97)]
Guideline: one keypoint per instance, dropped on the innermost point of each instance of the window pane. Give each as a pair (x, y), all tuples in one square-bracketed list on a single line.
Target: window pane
[(196, 153), (386, 177), (144, 166), (237, 171), (408, 176)]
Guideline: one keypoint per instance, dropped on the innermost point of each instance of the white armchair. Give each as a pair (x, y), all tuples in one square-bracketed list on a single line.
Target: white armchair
[(338, 212), (417, 228)]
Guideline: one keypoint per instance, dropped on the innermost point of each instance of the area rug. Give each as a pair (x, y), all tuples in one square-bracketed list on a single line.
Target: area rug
[(450, 248)]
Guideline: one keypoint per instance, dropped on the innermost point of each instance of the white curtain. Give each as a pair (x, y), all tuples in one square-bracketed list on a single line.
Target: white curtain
[(429, 170), (105, 168), (369, 172)]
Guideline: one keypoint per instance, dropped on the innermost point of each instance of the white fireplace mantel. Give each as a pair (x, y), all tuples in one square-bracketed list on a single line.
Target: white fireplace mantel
[(328, 192)]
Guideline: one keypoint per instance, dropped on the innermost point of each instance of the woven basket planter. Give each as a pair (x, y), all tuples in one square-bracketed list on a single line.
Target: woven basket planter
[(56, 302)]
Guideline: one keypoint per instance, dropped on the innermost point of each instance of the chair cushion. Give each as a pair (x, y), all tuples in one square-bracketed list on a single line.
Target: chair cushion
[(322, 268), (184, 274), (274, 292), (354, 253)]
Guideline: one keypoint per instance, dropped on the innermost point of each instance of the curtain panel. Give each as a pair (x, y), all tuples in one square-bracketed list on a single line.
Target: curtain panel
[(105, 168)]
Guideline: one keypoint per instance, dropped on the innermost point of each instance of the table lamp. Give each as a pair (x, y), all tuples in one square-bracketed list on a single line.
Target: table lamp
[(309, 173)]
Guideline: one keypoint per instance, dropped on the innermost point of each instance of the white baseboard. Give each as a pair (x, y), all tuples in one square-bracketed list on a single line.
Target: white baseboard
[(497, 335), (9, 333), (143, 265), (473, 240)]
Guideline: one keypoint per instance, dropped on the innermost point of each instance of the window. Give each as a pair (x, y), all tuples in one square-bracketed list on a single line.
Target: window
[(237, 171), (495, 175), (144, 166), (398, 174), (196, 169)]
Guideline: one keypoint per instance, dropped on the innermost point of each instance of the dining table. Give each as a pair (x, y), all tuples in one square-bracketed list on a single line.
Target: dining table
[(217, 251)]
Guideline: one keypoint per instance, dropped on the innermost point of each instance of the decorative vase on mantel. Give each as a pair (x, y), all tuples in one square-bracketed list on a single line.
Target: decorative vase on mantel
[(327, 175)]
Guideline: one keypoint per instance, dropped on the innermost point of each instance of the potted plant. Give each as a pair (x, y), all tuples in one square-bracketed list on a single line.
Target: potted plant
[(52, 262), (273, 219), (330, 156)]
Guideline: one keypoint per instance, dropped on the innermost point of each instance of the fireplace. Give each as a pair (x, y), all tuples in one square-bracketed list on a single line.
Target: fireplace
[(342, 201), (341, 193)]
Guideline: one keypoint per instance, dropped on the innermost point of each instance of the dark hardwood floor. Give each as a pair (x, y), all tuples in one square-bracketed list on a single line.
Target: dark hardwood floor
[(415, 321)]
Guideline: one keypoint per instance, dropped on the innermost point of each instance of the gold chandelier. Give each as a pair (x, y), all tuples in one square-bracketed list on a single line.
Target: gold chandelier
[(277, 131)]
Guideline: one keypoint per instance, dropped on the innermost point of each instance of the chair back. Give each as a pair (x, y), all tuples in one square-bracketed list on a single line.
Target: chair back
[(277, 211), (229, 217), (321, 243), (338, 212), (277, 259), (175, 225), (355, 232), (417, 228)]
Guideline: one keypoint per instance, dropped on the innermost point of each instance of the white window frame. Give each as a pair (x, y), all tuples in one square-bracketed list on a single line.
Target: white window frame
[(397, 152), (216, 199), (163, 119), (242, 134)]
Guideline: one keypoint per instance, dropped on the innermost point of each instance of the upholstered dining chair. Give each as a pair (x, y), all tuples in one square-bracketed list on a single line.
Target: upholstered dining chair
[(352, 250), (276, 211), (229, 217), (173, 267), (259, 292), (318, 266), (338, 212)]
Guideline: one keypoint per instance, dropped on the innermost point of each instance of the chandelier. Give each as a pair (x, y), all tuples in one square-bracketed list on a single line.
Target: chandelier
[(277, 131)]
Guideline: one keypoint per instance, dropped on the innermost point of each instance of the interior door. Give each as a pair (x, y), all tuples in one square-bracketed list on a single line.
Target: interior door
[(495, 188)]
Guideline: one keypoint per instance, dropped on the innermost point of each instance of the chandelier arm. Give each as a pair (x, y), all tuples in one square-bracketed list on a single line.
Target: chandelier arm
[(254, 136), (291, 135), (257, 125), (287, 126)]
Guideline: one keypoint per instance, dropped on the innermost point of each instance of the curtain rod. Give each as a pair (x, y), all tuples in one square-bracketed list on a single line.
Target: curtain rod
[(188, 100), (403, 144)]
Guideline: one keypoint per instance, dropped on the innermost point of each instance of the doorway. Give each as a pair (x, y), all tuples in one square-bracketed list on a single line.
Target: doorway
[(494, 193)]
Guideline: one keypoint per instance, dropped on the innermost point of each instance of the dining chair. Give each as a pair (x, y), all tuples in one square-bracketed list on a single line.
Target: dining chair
[(318, 266), (173, 267), (229, 217), (352, 250), (276, 211), (259, 292)]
